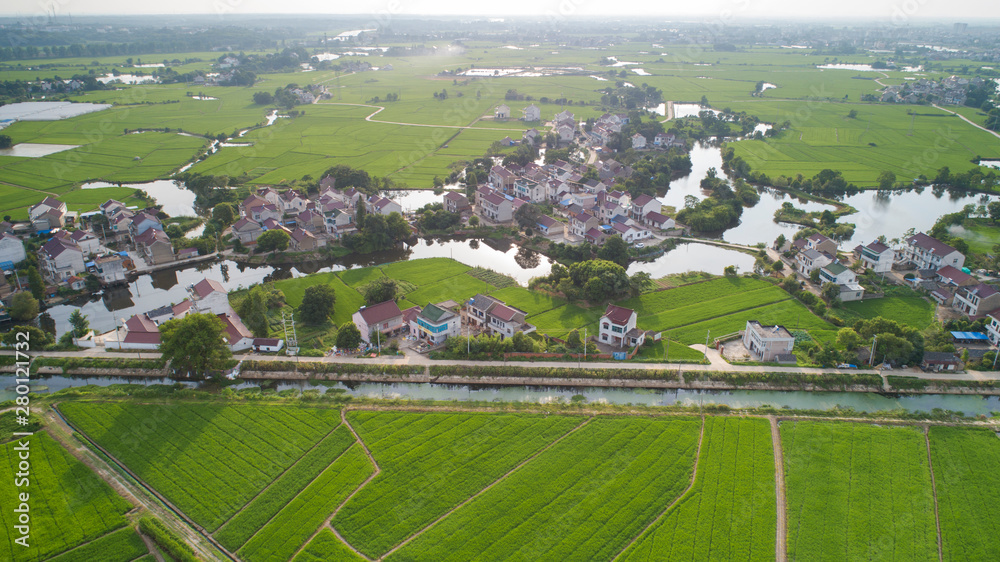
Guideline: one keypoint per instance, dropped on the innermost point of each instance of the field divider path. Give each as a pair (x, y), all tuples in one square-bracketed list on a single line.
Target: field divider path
[(380, 108), (276, 478), (930, 467), (970, 122), (326, 524), (694, 474), (781, 528), (486, 489)]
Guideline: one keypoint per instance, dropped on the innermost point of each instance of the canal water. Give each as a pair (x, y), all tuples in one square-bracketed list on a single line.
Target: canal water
[(799, 400)]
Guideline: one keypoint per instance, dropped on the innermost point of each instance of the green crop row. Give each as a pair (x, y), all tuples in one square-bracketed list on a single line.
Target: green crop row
[(550, 372), (69, 363), (339, 368), (258, 512), (326, 547), (706, 310), (857, 492), (828, 381), (69, 504), (431, 463), (583, 499), (968, 491), (207, 459), (167, 540), (294, 524), (723, 287), (122, 545), (735, 485)]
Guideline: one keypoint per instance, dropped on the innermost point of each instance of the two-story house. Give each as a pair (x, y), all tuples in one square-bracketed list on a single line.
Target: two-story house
[(976, 300), (435, 324), (155, 246), (497, 317), (293, 202), (581, 223), (144, 221), (876, 256), (502, 179), (383, 206), (821, 243), (209, 296), (494, 206), (809, 259), (384, 317), (767, 342), (455, 202), (50, 213), (247, 230), (110, 269), (925, 252), (59, 259), (532, 113), (617, 327), (530, 190), (642, 206), (847, 280)]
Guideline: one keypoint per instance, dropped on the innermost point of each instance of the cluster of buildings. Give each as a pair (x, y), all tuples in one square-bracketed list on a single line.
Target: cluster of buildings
[(950, 90), (208, 296), (585, 209)]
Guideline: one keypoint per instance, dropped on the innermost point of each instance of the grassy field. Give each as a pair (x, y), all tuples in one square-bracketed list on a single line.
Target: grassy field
[(967, 490), (858, 492), (459, 288), (530, 302), (734, 485), (980, 234), (69, 505), (208, 460), (913, 311), (326, 547), (433, 462)]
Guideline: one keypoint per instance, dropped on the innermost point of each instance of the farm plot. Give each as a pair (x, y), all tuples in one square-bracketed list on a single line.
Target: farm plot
[(911, 311), (582, 499), (530, 302), (302, 517), (326, 547), (734, 484), (360, 276), (658, 301), (559, 322), (209, 460), (791, 313), (70, 505), (431, 463), (258, 512), (425, 271), (968, 491), (348, 299), (458, 288), (122, 545), (857, 492), (706, 310)]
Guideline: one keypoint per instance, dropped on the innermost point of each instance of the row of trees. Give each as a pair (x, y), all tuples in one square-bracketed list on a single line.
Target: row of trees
[(595, 280)]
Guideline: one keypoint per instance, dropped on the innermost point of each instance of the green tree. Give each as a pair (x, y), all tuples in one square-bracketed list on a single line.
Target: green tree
[(195, 343), (814, 275), (275, 240), (639, 283), (37, 338), (527, 215), (523, 343), (253, 311), (729, 271), (849, 339), (381, 290), (473, 220), (852, 114), (791, 283), (777, 266), (36, 283), (348, 336), (614, 250), (573, 341), (317, 304), (23, 306), (886, 180), (224, 213), (80, 323), (6, 142), (830, 292)]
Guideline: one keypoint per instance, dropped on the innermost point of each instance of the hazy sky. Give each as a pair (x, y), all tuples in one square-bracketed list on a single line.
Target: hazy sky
[(945, 11)]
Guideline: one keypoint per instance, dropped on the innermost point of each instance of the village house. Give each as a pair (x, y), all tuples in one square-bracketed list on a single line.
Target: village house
[(810, 259), (143, 222), (209, 296), (50, 213), (566, 133), (120, 222), (766, 343), (86, 240), (976, 300), (925, 252), (550, 226), (660, 221), (60, 259), (247, 231), (11, 249), (938, 361), (310, 221), (502, 179), (502, 111), (385, 318), (529, 136), (455, 202), (618, 329), (270, 195), (530, 191), (642, 206), (532, 113), (111, 207), (302, 240), (238, 336), (435, 324), (293, 202), (821, 243), (339, 223), (139, 331), (494, 206), (631, 233), (565, 117), (110, 269), (595, 236), (583, 222), (844, 278), (383, 206), (993, 327), (495, 316), (155, 246), (876, 256), (638, 141), (952, 277)]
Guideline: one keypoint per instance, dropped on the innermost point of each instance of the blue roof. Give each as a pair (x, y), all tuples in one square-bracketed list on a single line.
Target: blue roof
[(123, 254), (969, 336)]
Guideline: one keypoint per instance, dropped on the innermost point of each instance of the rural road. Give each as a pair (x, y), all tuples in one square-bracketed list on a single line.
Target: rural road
[(379, 108), (781, 540), (963, 118)]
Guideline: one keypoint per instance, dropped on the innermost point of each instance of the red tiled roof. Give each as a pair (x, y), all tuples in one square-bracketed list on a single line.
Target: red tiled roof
[(206, 287), (504, 312), (932, 245), (618, 315), (956, 275), (642, 200), (378, 313), (235, 329)]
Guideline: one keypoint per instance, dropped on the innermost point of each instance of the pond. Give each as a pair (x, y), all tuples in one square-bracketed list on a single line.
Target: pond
[(694, 257), (177, 201), (35, 150), (128, 79), (863, 402), (47, 110)]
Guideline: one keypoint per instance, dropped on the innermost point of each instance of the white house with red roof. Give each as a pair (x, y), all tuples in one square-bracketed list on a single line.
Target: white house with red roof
[(977, 300), (238, 336), (876, 256), (383, 206), (617, 327), (925, 252), (139, 332), (48, 214), (642, 206), (502, 179), (208, 295), (494, 206), (384, 317), (247, 231), (59, 259)]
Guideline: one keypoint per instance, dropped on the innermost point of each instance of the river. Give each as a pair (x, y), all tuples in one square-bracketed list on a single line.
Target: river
[(862, 402)]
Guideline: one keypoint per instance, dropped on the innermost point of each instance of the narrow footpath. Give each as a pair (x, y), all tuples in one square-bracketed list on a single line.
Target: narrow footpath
[(781, 538)]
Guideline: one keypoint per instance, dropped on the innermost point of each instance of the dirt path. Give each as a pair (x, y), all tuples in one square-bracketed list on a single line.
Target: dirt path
[(139, 495), (930, 466), (484, 490), (152, 548), (669, 112), (380, 108), (694, 474), (781, 540), (963, 118)]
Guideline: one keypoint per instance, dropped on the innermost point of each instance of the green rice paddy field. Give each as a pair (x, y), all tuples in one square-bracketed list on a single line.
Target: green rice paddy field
[(519, 486), (417, 137)]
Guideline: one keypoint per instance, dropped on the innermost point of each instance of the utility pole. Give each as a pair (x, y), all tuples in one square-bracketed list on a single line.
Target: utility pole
[(871, 360), (584, 344), (707, 334), (995, 355)]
